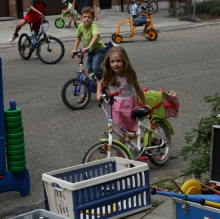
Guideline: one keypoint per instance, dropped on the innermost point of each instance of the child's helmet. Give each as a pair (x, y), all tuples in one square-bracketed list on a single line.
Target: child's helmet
[(63, 1)]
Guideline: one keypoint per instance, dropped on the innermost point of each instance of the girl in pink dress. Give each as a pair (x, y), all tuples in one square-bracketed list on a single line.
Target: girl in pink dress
[(119, 75)]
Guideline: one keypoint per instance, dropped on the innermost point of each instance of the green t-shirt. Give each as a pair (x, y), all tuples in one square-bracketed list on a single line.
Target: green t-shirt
[(86, 36)]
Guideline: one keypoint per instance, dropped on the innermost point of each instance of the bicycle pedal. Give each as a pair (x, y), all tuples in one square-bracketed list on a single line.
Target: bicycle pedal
[(142, 158)]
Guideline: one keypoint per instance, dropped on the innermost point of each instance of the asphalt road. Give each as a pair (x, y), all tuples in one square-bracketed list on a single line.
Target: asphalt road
[(186, 61)]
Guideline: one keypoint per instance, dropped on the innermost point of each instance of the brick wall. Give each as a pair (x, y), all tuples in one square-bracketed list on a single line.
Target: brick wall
[(26, 5), (13, 9)]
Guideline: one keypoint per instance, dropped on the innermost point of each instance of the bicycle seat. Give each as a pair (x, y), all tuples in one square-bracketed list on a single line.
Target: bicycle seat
[(140, 113)]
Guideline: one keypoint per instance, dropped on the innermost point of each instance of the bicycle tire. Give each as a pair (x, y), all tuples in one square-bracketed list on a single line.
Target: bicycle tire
[(152, 34), (52, 55), (59, 23), (96, 152), (129, 7), (24, 46), (68, 97), (154, 6), (160, 156)]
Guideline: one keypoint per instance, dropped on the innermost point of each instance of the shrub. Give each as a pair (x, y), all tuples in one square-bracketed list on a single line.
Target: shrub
[(198, 148), (211, 7)]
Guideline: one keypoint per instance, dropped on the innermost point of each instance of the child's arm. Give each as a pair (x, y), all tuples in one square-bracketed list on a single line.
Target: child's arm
[(99, 90), (73, 7), (34, 9), (76, 44), (95, 9), (93, 40), (140, 94), (66, 10)]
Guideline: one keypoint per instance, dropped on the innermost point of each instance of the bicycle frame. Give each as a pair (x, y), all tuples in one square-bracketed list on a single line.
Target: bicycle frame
[(35, 39), (135, 143), (80, 73)]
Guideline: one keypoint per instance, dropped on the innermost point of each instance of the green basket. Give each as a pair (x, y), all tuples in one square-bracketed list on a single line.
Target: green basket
[(153, 98)]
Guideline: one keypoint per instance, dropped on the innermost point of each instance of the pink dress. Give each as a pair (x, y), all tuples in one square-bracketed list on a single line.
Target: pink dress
[(124, 104)]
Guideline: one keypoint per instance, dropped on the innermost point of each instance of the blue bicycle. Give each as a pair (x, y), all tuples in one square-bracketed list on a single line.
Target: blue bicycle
[(77, 87), (50, 50)]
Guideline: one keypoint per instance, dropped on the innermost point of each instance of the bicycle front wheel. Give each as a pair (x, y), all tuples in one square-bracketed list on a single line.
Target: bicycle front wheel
[(24, 46), (59, 23), (154, 6), (51, 50), (69, 96), (160, 155), (99, 151)]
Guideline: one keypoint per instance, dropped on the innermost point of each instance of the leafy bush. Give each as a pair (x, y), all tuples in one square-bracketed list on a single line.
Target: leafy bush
[(198, 148), (211, 7)]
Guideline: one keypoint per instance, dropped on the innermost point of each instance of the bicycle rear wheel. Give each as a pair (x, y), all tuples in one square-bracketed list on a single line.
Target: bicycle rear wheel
[(77, 21), (70, 98), (152, 34), (154, 6), (160, 155), (59, 23), (99, 151), (24, 46), (51, 50)]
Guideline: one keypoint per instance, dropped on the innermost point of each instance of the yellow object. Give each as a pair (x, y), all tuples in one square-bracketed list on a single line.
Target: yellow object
[(98, 213), (191, 186), (212, 204)]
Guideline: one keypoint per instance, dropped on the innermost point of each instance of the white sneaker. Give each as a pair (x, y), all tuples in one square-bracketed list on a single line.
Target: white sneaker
[(36, 56), (13, 37)]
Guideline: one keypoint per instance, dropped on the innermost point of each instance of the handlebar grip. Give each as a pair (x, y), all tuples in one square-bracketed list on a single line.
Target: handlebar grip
[(100, 101)]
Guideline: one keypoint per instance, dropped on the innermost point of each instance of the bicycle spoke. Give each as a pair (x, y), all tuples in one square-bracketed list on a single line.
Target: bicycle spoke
[(50, 52)]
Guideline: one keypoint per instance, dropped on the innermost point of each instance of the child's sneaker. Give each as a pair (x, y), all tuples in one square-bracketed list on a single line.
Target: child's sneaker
[(13, 37), (36, 56)]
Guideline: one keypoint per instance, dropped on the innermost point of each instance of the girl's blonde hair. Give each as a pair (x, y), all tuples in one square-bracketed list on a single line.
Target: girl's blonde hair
[(109, 76)]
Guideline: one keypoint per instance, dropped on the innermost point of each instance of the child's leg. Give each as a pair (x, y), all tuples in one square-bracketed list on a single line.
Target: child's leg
[(18, 27), (97, 60)]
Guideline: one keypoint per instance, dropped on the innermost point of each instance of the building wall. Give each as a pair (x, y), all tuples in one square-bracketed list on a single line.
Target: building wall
[(116, 4)]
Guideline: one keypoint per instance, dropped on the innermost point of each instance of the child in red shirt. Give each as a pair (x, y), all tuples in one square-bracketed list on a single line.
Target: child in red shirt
[(35, 15)]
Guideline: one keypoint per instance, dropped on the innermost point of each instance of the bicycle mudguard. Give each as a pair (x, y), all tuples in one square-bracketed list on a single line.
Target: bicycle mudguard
[(168, 125), (118, 143), (146, 134)]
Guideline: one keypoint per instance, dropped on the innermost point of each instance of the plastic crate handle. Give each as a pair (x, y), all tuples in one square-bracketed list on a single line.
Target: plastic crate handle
[(54, 185)]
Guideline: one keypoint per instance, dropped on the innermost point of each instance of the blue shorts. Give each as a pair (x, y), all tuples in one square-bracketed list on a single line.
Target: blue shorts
[(140, 21)]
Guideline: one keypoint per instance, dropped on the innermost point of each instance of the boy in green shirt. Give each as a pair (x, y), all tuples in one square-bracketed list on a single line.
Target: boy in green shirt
[(88, 32)]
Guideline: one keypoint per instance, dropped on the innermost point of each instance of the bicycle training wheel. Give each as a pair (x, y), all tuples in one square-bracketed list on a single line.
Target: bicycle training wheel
[(154, 6), (152, 34), (99, 151), (24, 46), (160, 155), (51, 50), (70, 98), (59, 23), (129, 7)]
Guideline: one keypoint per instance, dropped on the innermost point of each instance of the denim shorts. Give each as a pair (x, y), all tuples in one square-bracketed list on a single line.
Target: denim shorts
[(140, 21)]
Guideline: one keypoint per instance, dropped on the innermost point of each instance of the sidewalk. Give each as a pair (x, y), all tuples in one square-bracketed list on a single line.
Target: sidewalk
[(107, 26)]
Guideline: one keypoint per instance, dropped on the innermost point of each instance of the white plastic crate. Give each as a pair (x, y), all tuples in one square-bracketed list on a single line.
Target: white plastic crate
[(108, 188), (40, 213)]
